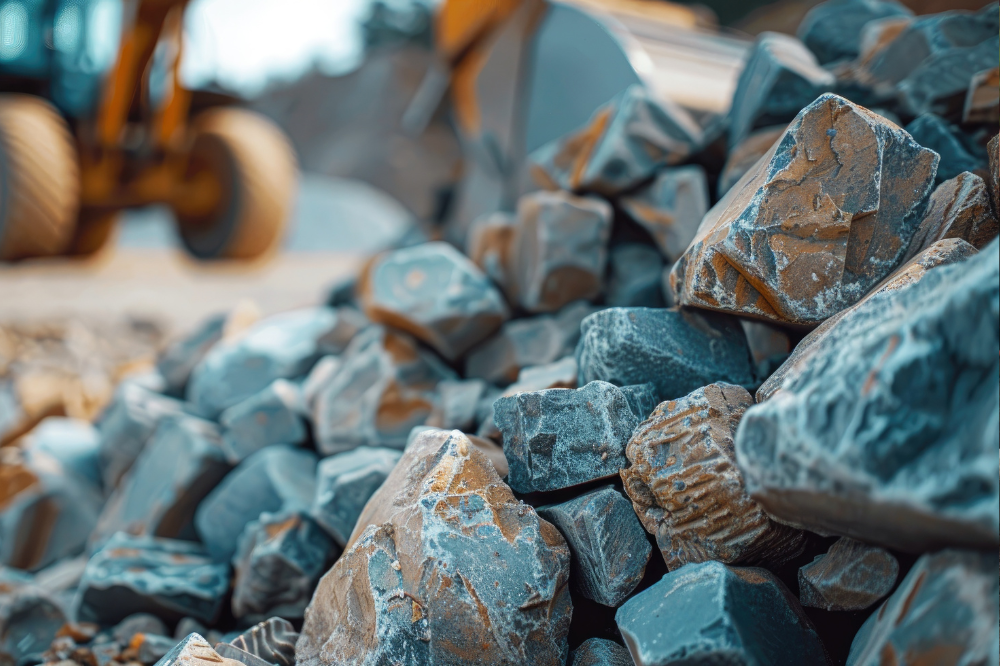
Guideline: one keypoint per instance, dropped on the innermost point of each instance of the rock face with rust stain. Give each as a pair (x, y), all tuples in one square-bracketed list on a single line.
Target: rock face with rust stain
[(888, 431), (958, 208), (710, 613), (671, 207), (622, 144), (558, 438), (445, 566), (433, 292), (609, 548), (832, 29), (677, 351), (744, 155), (490, 244), (808, 231), (944, 611), (600, 652), (982, 100), (850, 576), (385, 385), (686, 488)]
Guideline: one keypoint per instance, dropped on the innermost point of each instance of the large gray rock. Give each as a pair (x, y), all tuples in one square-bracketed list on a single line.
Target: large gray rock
[(344, 484), (558, 438), (273, 479), (710, 613), (609, 547), (887, 430), (280, 347), (385, 385), (850, 576), (177, 360), (445, 566), (671, 207), (168, 578), (435, 293), (677, 351), (272, 416), (944, 611), (600, 652), (635, 277), (832, 29), (273, 640)]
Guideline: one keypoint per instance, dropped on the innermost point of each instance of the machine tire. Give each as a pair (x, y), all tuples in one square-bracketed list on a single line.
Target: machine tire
[(94, 228), (255, 166), (39, 179)]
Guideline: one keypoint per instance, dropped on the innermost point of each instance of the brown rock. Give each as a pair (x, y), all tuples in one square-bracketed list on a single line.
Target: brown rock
[(809, 230), (490, 245), (851, 576), (982, 101), (195, 651), (686, 488), (958, 208), (444, 566), (745, 155)]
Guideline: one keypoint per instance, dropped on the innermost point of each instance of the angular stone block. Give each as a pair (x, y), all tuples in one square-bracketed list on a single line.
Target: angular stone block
[(711, 613), (435, 293), (744, 155), (982, 100), (560, 374), (177, 360), (490, 244), (195, 651), (283, 346), (600, 652), (608, 545), (273, 479), (809, 230), (958, 208), (458, 404), (622, 144), (272, 416), (344, 484), (832, 29), (780, 78), (769, 345), (887, 432), (278, 561), (958, 151), (558, 438), (850, 576), (75, 443), (29, 618), (671, 207), (444, 563), (686, 488), (139, 574), (273, 640), (677, 351), (944, 611), (634, 277)]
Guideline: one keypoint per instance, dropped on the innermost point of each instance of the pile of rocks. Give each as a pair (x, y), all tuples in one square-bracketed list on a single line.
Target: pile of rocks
[(472, 457)]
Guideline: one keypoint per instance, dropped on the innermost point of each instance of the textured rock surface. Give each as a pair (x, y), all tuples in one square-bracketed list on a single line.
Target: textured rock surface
[(445, 566), (194, 650), (686, 488), (273, 640), (957, 150), (273, 479), (958, 208), (888, 433), (608, 545), (622, 144), (561, 249), (944, 611), (176, 361), (435, 293), (780, 78), (808, 232), (993, 151), (600, 652), (675, 350), (710, 613), (279, 558), (850, 576), (345, 482), (272, 416), (744, 155), (384, 386), (558, 438), (832, 29), (671, 207), (982, 100), (170, 579), (635, 277)]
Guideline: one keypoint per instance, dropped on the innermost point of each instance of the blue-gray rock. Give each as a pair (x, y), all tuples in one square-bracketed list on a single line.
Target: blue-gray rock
[(622, 144), (850, 576), (958, 152), (687, 491), (273, 640), (139, 623), (228, 651), (178, 359), (178, 468), (139, 574), (780, 78), (386, 384), (126, 425), (558, 438), (832, 29), (147, 648), (670, 208), (445, 567), (458, 404), (710, 613), (608, 545), (75, 443), (272, 416), (677, 351), (634, 277), (273, 479), (887, 429), (29, 618), (278, 561), (284, 346), (344, 483), (436, 294), (944, 611), (600, 652)]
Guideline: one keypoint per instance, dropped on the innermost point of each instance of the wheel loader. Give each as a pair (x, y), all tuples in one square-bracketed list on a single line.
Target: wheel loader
[(94, 120)]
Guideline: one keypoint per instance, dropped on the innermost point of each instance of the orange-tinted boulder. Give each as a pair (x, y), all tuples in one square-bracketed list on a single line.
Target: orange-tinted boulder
[(958, 208)]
